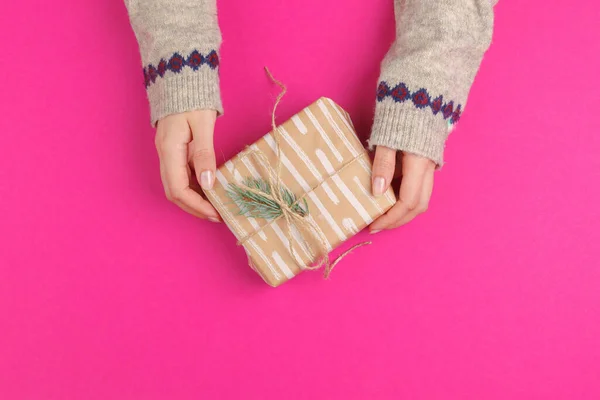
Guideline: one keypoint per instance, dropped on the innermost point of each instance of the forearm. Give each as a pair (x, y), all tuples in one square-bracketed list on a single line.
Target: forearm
[(179, 44), (428, 72)]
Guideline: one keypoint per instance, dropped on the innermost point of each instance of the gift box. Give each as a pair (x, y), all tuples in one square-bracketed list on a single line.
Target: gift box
[(322, 173)]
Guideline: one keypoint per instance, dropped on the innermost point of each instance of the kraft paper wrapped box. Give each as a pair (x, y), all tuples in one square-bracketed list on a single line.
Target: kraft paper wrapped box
[(327, 169)]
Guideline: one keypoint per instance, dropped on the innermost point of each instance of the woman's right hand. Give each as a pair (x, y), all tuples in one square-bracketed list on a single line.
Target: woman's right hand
[(185, 148)]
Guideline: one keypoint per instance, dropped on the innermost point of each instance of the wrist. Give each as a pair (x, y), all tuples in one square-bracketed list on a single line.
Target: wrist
[(186, 91), (405, 128)]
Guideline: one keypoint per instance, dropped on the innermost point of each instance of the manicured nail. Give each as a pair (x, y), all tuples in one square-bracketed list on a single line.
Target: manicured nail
[(378, 186), (214, 219), (207, 179), (375, 231)]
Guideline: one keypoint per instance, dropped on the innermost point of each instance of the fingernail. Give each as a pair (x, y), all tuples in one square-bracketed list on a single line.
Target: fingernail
[(378, 186), (375, 231), (207, 180), (213, 219)]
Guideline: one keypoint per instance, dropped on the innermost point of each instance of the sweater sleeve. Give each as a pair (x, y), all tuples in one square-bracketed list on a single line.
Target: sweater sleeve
[(428, 72), (179, 43)]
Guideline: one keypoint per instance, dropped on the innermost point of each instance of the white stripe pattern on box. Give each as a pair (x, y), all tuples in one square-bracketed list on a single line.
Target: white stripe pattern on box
[(336, 128), (262, 255), (327, 216), (248, 164), (388, 195), (286, 243), (344, 120), (278, 232), (324, 135), (330, 193), (343, 188), (238, 228), (230, 221), (311, 167), (238, 178), (312, 220), (282, 265), (367, 194), (338, 110), (286, 162), (299, 124), (304, 244), (345, 139), (230, 167), (350, 226), (296, 234)]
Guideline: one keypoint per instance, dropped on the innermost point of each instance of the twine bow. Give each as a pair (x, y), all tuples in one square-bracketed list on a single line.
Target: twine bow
[(289, 210)]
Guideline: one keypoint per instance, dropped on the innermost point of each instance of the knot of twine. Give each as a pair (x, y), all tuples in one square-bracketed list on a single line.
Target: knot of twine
[(292, 218)]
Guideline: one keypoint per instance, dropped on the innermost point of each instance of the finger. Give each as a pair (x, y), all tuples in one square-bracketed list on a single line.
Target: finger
[(176, 178), (203, 156), (187, 197), (170, 197), (169, 132), (196, 189), (384, 165), (163, 179), (408, 199), (423, 202), (191, 148), (193, 182), (194, 212)]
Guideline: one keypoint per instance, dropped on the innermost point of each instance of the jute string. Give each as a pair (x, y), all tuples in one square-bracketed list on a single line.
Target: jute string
[(304, 224)]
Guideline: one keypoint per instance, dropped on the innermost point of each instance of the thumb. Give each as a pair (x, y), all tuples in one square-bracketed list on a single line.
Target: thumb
[(384, 165), (202, 124)]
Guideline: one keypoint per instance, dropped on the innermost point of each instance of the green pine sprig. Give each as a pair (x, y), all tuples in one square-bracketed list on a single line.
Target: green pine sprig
[(255, 205)]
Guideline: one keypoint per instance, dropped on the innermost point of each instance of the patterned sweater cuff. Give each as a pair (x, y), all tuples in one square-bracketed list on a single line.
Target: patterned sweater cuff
[(406, 128), (186, 91)]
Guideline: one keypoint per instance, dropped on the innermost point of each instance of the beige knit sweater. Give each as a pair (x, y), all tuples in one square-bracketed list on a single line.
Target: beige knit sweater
[(423, 87)]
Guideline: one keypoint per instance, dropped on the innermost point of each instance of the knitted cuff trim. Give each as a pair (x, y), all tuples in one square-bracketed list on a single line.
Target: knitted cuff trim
[(177, 63), (421, 99), (184, 92), (401, 127)]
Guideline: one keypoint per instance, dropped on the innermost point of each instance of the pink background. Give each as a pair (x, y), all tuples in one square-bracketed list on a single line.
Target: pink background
[(108, 291)]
